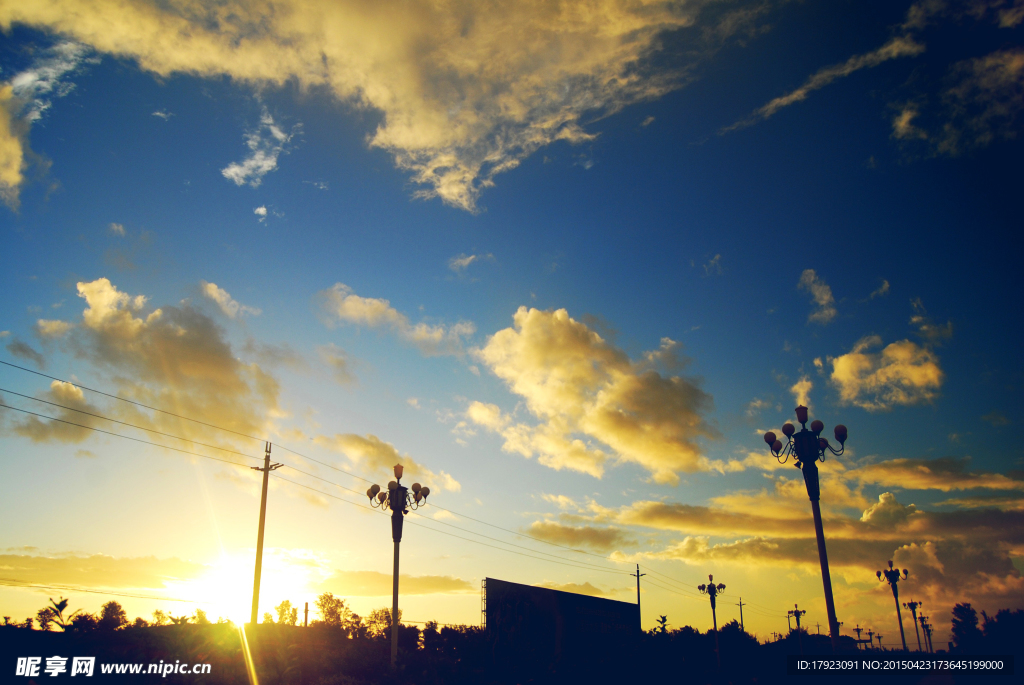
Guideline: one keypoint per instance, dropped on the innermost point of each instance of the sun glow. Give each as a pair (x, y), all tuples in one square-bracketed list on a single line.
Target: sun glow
[(225, 591)]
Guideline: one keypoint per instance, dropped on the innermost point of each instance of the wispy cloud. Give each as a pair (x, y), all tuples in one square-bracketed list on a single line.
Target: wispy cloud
[(341, 304), (116, 229), (266, 143), (466, 90), (821, 294), (24, 98), (900, 46), (231, 308), (163, 114)]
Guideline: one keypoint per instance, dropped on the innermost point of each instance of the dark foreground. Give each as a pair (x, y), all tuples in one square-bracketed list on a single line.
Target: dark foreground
[(452, 656)]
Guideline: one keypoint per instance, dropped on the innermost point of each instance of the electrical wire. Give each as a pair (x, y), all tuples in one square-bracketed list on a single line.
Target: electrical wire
[(138, 404), (72, 588), (287, 449), (119, 435), (130, 425)]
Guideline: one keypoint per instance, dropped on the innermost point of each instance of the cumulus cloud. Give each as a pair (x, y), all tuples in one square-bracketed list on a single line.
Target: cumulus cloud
[(466, 90), (231, 308), (586, 392), (902, 373), (266, 143), (900, 46), (173, 356), (601, 538), (821, 293), (945, 474), (341, 304), (375, 584), (24, 98), (373, 454)]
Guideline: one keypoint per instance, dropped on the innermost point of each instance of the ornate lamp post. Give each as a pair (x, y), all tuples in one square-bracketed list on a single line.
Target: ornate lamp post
[(807, 448), (893, 576), (927, 627), (398, 499), (712, 591), (912, 605)]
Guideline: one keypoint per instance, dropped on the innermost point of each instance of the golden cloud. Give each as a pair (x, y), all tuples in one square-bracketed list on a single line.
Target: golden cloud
[(12, 156), (986, 101), (945, 474), (466, 89), (373, 454), (578, 384), (374, 584), (581, 536), (174, 357), (577, 588), (902, 373), (341, 304), (98, 570)]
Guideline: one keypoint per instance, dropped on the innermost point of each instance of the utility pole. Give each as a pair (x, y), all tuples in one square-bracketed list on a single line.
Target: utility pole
[(817, 628), (858, 630), (638, 576), (266, 469), (305, 621), (740, 605)]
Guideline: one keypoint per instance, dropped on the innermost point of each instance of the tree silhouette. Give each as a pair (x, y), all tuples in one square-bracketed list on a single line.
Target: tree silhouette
[(268, 617), (54, 615), (1003, 631), (662, 624), (159, 618), (286, 613), (83, 623), (378, 623), (112, 616), (199, 618), (966, 634), (178, 620)]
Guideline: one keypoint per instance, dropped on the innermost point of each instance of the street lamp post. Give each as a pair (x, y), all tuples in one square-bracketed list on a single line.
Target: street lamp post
[(892, 575), (927, 627), (398, 499), (712, 591), (912, 605), (807, 448)]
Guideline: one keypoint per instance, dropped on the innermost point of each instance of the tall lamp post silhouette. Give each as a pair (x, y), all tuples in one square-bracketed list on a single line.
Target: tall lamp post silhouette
[(808, 447), (912, 605), (712, 591), (398, 499), (892, 575)]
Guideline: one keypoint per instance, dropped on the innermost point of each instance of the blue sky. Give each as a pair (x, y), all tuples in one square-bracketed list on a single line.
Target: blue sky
[(567, 263)]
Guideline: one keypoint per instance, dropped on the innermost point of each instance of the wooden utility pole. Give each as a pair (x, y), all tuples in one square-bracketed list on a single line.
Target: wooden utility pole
[(305, 621), (638, 575), (266, 469), (740, 605)]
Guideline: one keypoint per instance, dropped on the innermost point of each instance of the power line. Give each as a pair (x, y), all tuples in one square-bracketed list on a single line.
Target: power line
[(119, 435), (138, 404), (72, 588), (130, 425)]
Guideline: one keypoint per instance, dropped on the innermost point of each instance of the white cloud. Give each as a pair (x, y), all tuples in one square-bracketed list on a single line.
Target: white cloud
[(116, 229), (342, 304), (47, 328), (338, 361), (821, 293), (163, 114), (231, 308), (266, 143)]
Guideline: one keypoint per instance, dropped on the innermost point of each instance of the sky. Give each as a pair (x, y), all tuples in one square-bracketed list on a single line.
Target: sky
[(565, 261)]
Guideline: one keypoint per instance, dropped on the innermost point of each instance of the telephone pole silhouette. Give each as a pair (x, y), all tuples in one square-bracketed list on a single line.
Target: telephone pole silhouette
[(912, 605), (266, 469), (740, 605), (305, 621), (638, 576)]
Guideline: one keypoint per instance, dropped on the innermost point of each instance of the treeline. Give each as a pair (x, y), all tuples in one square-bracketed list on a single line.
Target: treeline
[(342, 648)]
